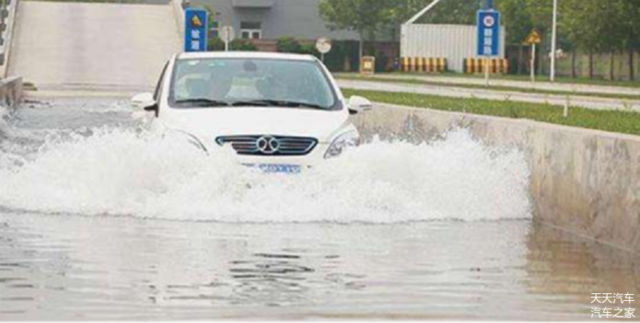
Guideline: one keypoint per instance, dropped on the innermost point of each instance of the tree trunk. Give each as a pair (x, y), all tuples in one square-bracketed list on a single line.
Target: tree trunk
[(632, 72), (360, 49), (520, 58), (591, 65), (612, 62), (574, 57)]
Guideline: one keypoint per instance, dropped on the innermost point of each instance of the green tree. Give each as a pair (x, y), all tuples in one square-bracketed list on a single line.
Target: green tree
[(516, 18), (595, 27), (631, 12), (365, 17)]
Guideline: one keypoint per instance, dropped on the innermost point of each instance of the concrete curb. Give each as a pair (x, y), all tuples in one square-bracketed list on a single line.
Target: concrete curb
[(582, 181)]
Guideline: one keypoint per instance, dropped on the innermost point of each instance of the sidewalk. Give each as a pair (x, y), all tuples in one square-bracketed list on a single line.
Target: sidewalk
[(525, 85)]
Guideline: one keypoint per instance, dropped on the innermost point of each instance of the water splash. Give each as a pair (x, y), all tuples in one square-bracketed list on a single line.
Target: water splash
[(126, 172)]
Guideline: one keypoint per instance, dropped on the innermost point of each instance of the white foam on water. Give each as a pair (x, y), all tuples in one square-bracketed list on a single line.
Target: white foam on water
[(4, 117), (121, 172)]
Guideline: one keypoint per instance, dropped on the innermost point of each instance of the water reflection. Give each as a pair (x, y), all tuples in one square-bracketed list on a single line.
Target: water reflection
[(563, 270), (62, 267)]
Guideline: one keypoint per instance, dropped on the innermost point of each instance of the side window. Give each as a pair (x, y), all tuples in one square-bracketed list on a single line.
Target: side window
[(158, 92)]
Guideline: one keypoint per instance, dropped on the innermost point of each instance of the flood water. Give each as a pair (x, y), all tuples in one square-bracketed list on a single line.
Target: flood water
[(100, 218)]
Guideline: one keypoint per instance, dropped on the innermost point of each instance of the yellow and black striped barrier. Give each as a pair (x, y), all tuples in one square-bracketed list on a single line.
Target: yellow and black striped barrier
[(476, 65), (424, 64)]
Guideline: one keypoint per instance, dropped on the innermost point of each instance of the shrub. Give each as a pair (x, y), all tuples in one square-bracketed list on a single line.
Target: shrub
[(289, 45), (217, 45)]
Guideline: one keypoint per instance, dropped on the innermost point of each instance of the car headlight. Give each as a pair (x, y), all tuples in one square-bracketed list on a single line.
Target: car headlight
[(343, 142)]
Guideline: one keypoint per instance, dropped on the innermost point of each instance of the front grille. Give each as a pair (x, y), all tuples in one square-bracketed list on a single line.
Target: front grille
[(266, 145)]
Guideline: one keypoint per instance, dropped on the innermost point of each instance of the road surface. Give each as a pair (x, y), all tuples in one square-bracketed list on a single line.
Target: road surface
[(524, 85), (63, 46), (588, 102)]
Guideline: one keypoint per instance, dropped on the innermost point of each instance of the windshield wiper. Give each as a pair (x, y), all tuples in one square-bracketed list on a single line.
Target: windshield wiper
[(203, 102), (277, 103)]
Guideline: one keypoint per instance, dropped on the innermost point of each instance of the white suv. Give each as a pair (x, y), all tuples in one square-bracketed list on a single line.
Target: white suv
[(277, 111)]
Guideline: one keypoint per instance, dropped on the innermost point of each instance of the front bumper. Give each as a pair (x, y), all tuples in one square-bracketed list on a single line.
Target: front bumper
[(313, 158)]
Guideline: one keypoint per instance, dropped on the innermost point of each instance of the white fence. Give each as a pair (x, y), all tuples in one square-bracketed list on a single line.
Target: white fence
[(453, 42)]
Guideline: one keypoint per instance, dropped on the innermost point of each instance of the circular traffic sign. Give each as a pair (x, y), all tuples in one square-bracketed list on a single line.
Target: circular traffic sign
[(489, 21), (227, 34), (323, 45)]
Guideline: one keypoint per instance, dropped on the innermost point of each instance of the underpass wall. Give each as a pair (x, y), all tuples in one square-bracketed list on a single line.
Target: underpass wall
[(583, 181), (8, 24), (11, 93), (178, 12)]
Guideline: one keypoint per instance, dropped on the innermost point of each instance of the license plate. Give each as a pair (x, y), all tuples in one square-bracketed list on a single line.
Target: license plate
[(280, 169)]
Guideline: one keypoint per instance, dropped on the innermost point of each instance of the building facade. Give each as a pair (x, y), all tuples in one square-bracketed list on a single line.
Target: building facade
[(272, 19)]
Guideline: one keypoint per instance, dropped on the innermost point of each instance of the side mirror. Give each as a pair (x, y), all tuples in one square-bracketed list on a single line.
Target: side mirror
[(358, 104), (144, 101)]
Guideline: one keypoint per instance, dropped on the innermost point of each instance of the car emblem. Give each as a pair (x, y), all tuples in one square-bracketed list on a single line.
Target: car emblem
[(268, 145)]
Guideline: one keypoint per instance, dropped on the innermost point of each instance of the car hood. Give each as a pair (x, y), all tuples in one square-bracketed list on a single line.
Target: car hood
[(215, 122)]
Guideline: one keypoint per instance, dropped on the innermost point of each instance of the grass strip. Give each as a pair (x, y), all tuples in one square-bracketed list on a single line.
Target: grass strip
[(542, 79), (626, 122)]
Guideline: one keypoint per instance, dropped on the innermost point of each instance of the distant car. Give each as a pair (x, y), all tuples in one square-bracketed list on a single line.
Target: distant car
[(279, 112)]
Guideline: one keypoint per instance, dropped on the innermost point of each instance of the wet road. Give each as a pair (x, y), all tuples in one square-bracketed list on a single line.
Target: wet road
[(87, 254)]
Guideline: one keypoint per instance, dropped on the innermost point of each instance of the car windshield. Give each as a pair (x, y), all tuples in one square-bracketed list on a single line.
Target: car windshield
[(229, 82)]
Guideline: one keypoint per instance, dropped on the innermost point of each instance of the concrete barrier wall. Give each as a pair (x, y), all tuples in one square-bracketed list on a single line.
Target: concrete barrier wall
[(583, 181), (178, 11), (7, 35), (11, 93)]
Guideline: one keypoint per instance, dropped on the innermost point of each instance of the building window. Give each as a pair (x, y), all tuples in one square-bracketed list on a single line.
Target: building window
[(250, 30), (214, 29)]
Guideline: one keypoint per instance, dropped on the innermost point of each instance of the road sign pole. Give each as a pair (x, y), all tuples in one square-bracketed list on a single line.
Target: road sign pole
[(554, 41), (533, 62), (227, 34), (488, 38), (486, 71)]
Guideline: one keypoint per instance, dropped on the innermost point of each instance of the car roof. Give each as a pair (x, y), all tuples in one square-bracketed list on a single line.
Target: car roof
[(263, 55)]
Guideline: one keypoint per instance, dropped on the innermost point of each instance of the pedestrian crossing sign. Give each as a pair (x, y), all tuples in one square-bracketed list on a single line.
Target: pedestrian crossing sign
[(533, 38)]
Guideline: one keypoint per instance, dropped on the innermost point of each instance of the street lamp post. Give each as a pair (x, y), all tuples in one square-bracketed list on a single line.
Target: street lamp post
[(554, 41)]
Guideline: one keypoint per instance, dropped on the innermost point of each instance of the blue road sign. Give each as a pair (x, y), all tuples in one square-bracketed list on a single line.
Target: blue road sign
[(488, 33), (195, 38)]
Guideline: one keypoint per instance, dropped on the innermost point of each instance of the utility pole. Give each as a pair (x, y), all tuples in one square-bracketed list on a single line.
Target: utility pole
[(554, 41)]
